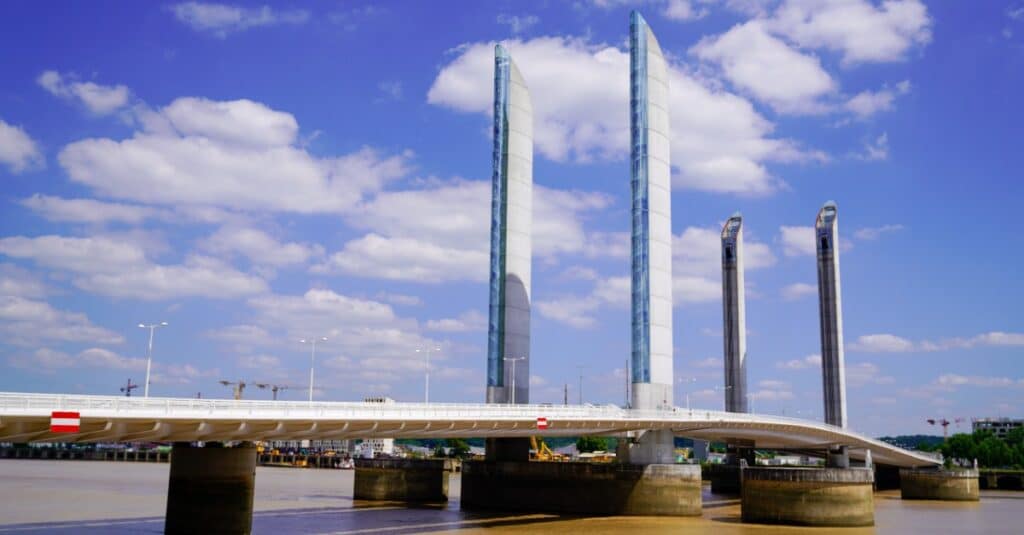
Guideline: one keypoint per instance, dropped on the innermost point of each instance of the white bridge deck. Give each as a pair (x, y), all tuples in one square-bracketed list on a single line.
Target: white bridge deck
[(26, 418)]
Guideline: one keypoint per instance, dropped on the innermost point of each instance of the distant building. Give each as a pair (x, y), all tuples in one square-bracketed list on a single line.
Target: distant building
[(1000, 427), (374, 447)]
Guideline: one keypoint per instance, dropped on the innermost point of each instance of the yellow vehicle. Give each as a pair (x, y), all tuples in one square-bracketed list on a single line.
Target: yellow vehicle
[(542, 452)]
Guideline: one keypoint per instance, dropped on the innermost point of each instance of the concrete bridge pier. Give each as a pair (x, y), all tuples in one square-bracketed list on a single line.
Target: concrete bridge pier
[(939, 484), (404, 480), (725, 477), (210, 489), (826, 497)]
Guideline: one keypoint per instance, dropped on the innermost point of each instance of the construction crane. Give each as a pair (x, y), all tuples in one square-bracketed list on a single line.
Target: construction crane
[(543, 451), (239, 387), (945, 425), (273, 388), (127, 389)]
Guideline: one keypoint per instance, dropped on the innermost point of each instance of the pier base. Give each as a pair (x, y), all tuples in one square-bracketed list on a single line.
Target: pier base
[(210, 490), (405, 480), (937, 484), (725, 478), (808, 496), (582, 488)]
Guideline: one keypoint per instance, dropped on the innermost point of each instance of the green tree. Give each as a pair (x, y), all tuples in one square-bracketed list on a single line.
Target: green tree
[(589, 444), (1015, 437), (439, 451), (457, 447)]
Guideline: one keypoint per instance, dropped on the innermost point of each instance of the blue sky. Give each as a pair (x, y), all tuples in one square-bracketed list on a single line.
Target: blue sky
[(254, 174)]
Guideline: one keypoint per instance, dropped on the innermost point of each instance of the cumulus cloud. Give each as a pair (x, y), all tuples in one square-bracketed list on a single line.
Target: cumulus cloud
[(798, 290), (222, 19), (696, 272), (89, 210), (890, 343), (518, 24), (859, 30), (868, 103), (472, 320), (682, 10), (810, 361), (875, 150), (25, 321), (767, 68), (18, 151), (259, 247), (98, 99), (797, 241), (19, 282), (126, 271), (873, 233), (441, 232), (236, 154), (719, 142)]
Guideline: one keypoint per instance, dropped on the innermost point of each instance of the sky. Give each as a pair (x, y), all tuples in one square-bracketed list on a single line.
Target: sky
[(255, 174)]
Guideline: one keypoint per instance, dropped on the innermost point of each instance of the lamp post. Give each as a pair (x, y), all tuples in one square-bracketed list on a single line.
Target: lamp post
[(513, 361), (426, 383), (687, 381), (581, 368), (312, 360), (149, 354)]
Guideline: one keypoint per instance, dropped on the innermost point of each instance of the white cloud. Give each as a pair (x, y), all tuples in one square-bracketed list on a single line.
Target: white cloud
[(873, 233), (442, 233), (810, 361), (221, 19), (244, 338), (859, 30), (797, 241), (864, 373), (104, 358), (259, 362), (471, 320), (698, 251), (25, 322), (89, 210), (882, 343), (126, 272), (237, 154), (682, 10), (17, 150), (259, 247), (19, 282), (391, 90), (518, 24), (719, 142), (400, 299), (875, 150), (98, 99), (768, 69), (798, 290), (954, 380), (890, 343), (867, 103), (573, 311)]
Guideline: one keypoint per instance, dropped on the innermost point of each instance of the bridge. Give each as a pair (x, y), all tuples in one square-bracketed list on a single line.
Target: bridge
[(26, 418)]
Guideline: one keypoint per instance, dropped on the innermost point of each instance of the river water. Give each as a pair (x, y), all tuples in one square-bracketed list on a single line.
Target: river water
[(97, 497)]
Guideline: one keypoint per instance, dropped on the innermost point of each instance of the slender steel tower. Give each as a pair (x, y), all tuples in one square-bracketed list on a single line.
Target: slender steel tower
[(652, 220), (508, 342), (734, 315), (830, 312)]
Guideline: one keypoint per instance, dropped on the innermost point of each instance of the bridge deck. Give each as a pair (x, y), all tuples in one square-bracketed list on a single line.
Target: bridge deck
[(26, 418)]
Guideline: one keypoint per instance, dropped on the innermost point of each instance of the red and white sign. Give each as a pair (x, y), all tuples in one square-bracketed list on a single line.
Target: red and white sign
[(64, 422), (542, 423)]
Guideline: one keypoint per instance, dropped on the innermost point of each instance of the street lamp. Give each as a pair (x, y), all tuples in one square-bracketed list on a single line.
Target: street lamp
[(149, 354), (724, 393), (688, 381), (312, 361), (513, 361), (426, 386)]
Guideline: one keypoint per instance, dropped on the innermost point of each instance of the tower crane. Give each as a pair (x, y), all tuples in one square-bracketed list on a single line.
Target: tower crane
[(239, 387), (945, 424), (273, 388), (127, 389)]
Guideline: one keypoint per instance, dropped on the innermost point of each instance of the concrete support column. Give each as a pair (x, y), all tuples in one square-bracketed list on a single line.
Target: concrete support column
[(808, 496), (938, 484), (210, 490), (406, 480), (582, 488), (507, 449), (650, 447), (838, 457)]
